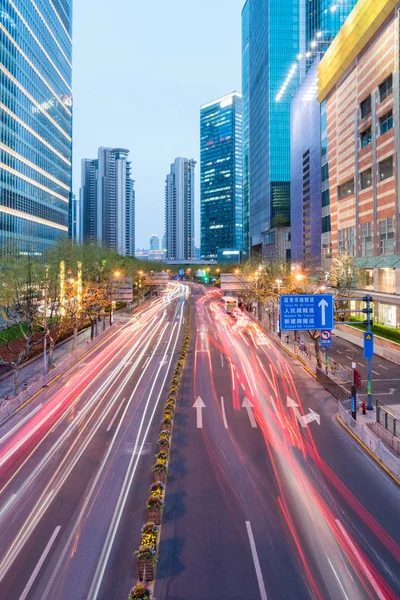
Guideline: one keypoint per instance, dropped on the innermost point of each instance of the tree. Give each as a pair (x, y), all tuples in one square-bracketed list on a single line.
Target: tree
[(21, 280)]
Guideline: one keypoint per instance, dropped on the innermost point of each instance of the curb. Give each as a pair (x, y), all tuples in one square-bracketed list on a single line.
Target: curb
[(371, 454)]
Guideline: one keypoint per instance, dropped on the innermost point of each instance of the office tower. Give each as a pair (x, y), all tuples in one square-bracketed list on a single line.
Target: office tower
[(246, 136), (75, 215), (108, 201), (273, 43), (221, 194), (164, 242), (358, 84), (154, 242), (179, 210), (36, 124)]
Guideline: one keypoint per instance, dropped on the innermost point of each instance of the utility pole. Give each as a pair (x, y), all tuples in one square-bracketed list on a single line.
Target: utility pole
[(45, 320), (368, 311)]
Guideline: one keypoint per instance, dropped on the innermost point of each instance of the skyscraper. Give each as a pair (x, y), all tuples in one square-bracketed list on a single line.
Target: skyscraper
[(154, 242), (179, 210), (273, 42), (246, 137), (221, 196), (36, 123), (108, 201)]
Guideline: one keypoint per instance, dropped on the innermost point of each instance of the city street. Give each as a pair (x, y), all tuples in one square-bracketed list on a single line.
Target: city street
[(71, 505), (268, 497)]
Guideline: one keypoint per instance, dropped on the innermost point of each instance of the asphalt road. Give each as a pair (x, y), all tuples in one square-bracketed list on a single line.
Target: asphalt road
[(72, 500), (268, 497)]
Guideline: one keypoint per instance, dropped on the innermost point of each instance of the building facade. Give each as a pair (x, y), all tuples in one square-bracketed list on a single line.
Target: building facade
[(36, 124), (107, 198), (179, 209), (154, 242), (273, 43), (221, 178), (245, 126), (358, 82)]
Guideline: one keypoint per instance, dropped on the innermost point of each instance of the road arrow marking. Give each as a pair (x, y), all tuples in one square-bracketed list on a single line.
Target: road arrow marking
[(323, 305), (199, 405), (224, 413), (222, 360), (164, 361), (247, 405), (304, 420)]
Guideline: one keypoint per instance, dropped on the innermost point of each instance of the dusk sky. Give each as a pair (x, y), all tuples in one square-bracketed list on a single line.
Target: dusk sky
[(142, 68)]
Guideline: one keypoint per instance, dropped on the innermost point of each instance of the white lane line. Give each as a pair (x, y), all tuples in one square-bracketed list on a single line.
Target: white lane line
[(116, 414), (233, 377), (18, 425), (361, 562), (361, 365), (382, 367), (256, 561), (222, 360), (7, 505), (224, 413), (35, 573), (349, 357), (148, 358), (339, 352), (375, 373)]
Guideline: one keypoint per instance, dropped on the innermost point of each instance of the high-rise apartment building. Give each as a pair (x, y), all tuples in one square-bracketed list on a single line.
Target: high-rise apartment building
[(154, 242), (107, 198), (273, 43), (36, 123), (221, 185), (359, 87), (179, 210)]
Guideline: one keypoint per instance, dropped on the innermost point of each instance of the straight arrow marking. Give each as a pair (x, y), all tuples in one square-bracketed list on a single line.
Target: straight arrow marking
[(248, 406), (304, 420), (199, 405)]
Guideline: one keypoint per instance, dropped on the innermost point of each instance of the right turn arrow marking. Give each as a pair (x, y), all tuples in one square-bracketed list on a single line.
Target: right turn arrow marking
[(304, 420)]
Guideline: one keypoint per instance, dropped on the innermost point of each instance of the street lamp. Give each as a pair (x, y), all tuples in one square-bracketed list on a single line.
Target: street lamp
[(299, 277), (279, 283), (116, 274)]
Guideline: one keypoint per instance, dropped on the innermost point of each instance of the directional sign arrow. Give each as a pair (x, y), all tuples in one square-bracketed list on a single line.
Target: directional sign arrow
[(247, 405), (323, 305), (199, 405)]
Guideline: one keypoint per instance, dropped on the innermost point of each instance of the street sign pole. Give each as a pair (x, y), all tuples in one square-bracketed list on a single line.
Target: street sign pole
[(326, 361), (368, 300), (353, 393)]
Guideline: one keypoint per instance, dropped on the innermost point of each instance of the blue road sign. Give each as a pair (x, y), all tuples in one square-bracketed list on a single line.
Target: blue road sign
[(326, 339), (302, 312), (368, 345)]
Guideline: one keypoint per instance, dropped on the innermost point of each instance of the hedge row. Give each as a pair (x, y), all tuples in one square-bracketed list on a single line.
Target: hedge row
[(147, 553)]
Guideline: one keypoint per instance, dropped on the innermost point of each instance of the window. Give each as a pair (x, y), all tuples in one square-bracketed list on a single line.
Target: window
[(386, 88), (269, 238), (365, 179), (325, 198), (324, 172), (346, 189), (386, 168), (365, 107), (326, 224), (386, 236), (366, 137), (386, 122), (366, 239), (346, 241)]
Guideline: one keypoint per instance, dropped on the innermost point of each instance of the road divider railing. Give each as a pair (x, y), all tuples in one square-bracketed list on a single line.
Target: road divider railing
[(147, 553)]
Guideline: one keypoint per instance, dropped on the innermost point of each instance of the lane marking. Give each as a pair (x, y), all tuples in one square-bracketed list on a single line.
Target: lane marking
[(146, 361), (35, 573), (361, 365), (7, 505), (375, 373), (224, 413), (222, 360), (248, 406), (256, 561), (339, 352), (361, 562), (386, 369), (18, 425), (349, 357), (116, 414)]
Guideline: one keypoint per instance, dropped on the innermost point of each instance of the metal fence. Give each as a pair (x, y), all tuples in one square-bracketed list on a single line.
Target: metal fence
[(10, 406), (374, 444), (388, 418)]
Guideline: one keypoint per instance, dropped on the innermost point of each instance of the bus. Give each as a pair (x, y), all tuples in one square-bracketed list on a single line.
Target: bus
[(231, 304)]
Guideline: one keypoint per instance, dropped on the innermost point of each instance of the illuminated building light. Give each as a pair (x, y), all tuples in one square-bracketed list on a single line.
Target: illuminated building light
[(288, 79), (32, 66), (32, 181), (32, 99), (60, 20), (40, 45), (32, 132), (33, 166), (27, 217)]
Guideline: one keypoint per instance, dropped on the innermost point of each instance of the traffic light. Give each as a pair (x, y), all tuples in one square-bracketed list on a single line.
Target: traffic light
[(357, 379)]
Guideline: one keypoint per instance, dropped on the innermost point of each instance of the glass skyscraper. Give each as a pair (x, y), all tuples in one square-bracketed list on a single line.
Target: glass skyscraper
[(36, 123), (273, 42), (325, 18), (221, 195), (246, 137)]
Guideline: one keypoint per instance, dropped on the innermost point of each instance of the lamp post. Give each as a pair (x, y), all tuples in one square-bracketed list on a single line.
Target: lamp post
[(116, 274), (44, 294)]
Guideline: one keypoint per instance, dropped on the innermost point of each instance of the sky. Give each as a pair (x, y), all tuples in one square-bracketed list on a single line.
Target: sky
[(141, 71)]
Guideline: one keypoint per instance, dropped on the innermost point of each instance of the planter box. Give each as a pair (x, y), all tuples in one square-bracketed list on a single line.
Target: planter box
[(146, 570), (159, 477), (154, 514)]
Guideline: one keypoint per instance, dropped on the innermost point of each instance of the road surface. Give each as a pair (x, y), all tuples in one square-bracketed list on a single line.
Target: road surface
[(71, 496), (268, 497)]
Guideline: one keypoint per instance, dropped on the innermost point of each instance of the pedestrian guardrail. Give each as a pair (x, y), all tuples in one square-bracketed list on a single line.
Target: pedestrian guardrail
[(390, 460), (11, 405)]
